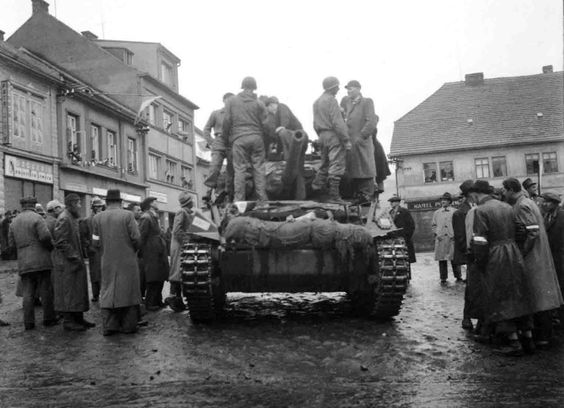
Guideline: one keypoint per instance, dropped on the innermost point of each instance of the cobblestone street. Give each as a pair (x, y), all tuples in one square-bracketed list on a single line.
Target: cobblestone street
[(276, 351)]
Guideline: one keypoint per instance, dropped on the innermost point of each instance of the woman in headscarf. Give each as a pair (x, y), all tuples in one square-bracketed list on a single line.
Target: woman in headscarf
[(182, 221)]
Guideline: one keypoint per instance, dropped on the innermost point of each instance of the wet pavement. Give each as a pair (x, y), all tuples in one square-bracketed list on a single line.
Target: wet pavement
[(277, 350)]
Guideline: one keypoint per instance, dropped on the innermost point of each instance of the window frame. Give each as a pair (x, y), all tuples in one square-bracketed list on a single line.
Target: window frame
[(95, 143), (434, 164), (545, 160), (157, 164), (446, 179), (112, 149), (531, 156), (132, 155), (167, 113), (171, 171), (485, 161), (504, 166)]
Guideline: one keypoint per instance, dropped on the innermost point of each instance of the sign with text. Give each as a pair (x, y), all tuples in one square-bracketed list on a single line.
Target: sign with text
[(161, 197), (427, 205), (28, 169)]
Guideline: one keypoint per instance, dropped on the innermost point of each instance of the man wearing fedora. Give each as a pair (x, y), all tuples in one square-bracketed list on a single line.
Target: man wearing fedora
[(403, 219), (244, 131), (153, 252), (545, 293), (554, 224), (444, 238), (505, 294), (460, 245), (116, 233), (334, 139), (29, 235), (361, 124)]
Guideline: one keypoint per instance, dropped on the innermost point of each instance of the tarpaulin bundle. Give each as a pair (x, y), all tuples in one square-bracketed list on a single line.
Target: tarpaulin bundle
[(323, 233), (293, 234), (350, 238), (245, 231)]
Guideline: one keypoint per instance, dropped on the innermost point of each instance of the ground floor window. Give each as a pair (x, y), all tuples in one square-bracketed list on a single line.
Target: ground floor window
[(430, 171), (499, 166), (447, 171), (482, 167), (532, 163), (549, 162)]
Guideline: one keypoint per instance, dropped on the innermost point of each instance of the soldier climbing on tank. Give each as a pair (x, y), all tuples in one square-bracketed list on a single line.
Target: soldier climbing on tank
[(243, 130), (219, 151), (334, 139), (361, 123), (279, 117)]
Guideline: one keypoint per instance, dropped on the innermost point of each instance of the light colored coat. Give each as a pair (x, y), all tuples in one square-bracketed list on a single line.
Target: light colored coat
[(444, 234), (70, 281), (361, 123), (541, 274), (117, 235)]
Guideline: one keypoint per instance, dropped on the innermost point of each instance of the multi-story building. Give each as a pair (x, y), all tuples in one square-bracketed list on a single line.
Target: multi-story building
[(28, 128), (137, 75), (479, 129), (203, 159)]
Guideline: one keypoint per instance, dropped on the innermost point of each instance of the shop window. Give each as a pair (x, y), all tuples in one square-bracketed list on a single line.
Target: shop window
[(549, 163), (154, 164), (111, 140), (532, 163), (430, 172), (167, 121), (482, 166), (170, 174), (499, 166), (447, 171), (131, 155), (95, 143)]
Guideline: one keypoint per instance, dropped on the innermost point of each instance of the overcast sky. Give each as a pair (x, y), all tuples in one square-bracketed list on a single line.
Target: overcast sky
[(400, 51)]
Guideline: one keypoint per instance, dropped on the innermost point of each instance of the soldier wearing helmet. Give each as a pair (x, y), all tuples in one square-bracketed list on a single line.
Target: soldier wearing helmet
[(334, 139), (243, 130)]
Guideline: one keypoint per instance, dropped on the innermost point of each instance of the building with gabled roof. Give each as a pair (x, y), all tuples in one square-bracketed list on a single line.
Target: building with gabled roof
[(479, 128)]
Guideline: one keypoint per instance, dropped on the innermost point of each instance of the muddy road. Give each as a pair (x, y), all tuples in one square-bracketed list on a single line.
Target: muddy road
[(277, 351)]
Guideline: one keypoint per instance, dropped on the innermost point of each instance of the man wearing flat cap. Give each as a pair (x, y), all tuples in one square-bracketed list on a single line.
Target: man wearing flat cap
[(219, 149), (541, 274), (154, 254), (504, 294), (361, 124), (70, 280), (554, 224), (116, 233), (244, 130), (530, 188), (403, 219), (29, 235), (444, 238), (334, 139)]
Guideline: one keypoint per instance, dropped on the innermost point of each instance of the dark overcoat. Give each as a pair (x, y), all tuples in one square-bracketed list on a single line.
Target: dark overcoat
[(70, 280), (153, 248), (116, 233), (28, 233), (361, 123), (93, 253), (555, 233), (459, 228), (504, 288), (403, 219), (545, 290)]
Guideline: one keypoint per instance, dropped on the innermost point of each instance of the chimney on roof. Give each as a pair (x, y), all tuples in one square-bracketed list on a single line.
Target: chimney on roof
[(39, 6), (474, 79), (547, 69), (2, 35), (90, 35)]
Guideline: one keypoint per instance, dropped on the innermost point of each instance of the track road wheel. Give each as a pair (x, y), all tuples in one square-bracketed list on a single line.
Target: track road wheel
[(201, 281)]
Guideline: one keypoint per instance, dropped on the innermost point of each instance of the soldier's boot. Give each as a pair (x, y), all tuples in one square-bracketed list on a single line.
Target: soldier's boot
[(334, 193)]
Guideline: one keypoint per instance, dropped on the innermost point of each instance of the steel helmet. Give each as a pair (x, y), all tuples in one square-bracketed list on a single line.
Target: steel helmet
[(330, 83)]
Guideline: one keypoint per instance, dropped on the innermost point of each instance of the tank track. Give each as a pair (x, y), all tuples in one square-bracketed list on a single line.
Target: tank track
[(198, 277), (391, 277)]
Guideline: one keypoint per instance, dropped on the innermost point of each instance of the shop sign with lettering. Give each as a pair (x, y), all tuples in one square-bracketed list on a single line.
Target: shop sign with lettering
[(28, 169)]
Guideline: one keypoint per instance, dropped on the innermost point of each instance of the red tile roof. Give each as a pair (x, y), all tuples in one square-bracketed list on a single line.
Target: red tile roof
[(501, 111)]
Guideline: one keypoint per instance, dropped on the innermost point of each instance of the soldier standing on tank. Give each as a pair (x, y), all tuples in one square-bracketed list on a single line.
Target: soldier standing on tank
[(94, 256), (330, 126), (243, 130), (361, 122), (219, 149)]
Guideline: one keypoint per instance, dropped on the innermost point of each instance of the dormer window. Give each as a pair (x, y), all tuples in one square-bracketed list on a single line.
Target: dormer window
[(167, 74)]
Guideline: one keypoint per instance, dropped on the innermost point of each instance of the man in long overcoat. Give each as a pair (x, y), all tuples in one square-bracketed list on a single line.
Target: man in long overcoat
[(153, 252), (94, 256), (334, 139), (182, 221), (554, 224), (460, 247), (116, 233), (505, 292), (541, 275), (403, 219), (29, 236), (444, 238), (361, 123), (70, 280)]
